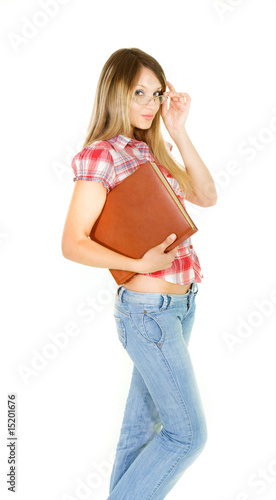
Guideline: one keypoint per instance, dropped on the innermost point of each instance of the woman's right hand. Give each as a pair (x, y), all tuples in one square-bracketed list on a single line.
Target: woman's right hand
[(155, 259)]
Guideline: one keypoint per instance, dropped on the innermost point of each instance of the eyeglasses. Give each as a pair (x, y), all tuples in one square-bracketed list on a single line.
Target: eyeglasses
[(145, 99)]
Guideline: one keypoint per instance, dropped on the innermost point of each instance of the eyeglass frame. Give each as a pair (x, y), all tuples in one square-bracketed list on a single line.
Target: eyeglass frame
[(150, 98)]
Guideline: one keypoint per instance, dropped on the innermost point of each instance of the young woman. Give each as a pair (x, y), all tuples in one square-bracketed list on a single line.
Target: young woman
[(164, 427)]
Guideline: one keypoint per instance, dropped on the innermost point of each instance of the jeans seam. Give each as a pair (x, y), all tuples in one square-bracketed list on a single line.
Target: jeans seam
[(181, 397), (166, 476), (169, 472)]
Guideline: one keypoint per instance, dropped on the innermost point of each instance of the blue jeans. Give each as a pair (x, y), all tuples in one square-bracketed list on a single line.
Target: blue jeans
[(164, 428)]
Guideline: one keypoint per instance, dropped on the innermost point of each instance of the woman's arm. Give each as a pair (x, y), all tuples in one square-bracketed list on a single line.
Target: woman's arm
[(174, 117), (85, 207), (205, 194)]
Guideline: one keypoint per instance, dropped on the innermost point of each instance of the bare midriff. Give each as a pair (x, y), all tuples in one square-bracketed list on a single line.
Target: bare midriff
[(148, 284)]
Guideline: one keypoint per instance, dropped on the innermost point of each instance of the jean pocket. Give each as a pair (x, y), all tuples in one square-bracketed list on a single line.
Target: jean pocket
[(121, 331), (153, 329)]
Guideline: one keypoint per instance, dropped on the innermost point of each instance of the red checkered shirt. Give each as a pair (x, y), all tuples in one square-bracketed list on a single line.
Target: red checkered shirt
[(112, 160)]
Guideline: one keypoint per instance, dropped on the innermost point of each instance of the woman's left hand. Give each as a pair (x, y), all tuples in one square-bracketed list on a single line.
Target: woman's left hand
[(175, 117)]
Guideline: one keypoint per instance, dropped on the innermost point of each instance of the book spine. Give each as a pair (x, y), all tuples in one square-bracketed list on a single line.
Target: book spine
[(172, 193)]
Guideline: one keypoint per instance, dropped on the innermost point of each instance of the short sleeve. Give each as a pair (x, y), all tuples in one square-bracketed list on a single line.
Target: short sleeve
[(94, 163)]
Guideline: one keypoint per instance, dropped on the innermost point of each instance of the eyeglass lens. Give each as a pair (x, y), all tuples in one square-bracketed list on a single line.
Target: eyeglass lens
[(143, 99)]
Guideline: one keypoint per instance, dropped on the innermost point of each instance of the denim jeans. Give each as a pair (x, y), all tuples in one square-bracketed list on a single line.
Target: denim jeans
[(164, 427)]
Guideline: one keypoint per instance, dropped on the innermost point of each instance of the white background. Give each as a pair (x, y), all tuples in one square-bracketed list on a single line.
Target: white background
[(70, 407)]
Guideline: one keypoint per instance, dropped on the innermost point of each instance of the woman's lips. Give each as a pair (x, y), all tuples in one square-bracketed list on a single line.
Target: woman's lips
[(148, 117)]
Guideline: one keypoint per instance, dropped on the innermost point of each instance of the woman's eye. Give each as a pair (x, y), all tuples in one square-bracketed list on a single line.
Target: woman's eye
[(158, 92), (137, 92)]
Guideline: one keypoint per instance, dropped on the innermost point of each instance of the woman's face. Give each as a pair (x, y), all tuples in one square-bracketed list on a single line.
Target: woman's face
[(141, 116)]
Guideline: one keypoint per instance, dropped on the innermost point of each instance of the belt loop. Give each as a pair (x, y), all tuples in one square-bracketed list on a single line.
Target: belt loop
[(166, 301), (120, 292)]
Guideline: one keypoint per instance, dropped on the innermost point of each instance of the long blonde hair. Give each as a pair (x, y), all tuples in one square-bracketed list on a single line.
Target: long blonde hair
[(110, 115)]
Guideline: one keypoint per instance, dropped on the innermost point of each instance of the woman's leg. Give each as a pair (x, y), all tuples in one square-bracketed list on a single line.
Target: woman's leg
[(141, 422), (152, 329)]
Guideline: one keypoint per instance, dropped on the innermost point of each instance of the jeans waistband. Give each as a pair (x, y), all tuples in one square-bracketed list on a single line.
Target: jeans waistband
[(154, 297)]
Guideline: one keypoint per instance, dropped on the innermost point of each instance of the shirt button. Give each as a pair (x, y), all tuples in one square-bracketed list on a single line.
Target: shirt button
[(191, 246)]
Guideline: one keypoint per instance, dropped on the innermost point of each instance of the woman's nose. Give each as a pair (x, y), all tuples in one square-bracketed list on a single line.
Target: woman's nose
[(152, 104)]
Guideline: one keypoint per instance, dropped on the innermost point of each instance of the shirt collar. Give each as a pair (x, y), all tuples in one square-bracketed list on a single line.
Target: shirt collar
[(121, 141)]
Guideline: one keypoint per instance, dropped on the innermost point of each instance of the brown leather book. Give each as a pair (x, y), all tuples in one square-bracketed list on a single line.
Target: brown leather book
[(140, 213)]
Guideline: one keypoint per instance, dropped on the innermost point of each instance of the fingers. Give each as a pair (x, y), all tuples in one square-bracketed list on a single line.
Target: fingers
[(171, 87), (177, 96), (169, 240)]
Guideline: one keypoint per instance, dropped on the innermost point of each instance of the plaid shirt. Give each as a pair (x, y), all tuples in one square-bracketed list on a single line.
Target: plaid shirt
[(112, 160)]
